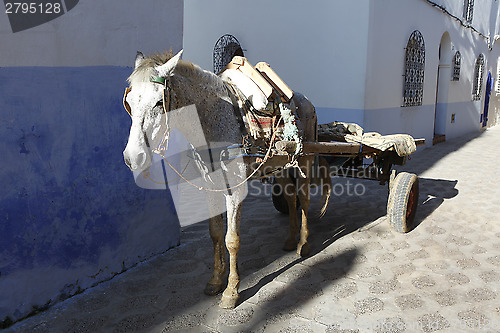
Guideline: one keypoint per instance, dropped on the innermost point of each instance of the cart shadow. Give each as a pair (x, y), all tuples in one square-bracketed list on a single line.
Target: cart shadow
[(433, 193)]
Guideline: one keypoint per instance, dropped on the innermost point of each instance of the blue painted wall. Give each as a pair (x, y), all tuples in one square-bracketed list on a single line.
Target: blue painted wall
[(71, 214)]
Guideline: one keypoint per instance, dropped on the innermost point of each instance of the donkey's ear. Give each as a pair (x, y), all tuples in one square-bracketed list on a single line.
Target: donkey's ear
[(138, 58), (167, 68)]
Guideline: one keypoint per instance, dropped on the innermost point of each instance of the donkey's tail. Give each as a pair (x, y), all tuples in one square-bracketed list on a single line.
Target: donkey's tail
[(326, 183)]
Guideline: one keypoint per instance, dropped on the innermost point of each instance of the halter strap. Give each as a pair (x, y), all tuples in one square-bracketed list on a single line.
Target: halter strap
[(157, 79)]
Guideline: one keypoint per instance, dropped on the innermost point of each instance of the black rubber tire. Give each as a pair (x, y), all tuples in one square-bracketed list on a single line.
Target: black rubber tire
[(403, 201), (279, 201)]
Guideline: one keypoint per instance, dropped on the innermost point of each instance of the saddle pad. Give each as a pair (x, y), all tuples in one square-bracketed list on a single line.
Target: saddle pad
[(261, 127)]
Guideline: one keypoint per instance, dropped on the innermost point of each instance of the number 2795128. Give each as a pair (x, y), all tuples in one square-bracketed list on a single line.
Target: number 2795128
[(32, 8)]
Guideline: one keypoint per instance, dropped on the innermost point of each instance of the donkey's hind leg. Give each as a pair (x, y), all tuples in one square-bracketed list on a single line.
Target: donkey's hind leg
[(303, 193), (288, 188), (216, 226)]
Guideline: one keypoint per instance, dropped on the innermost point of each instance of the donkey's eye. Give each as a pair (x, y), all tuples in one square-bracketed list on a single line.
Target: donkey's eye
[(159, 104)]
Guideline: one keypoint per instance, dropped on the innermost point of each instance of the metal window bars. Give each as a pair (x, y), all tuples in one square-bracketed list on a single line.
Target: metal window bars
[(225, 49), (478, 78), (468, 10), (457, 63), (414, 70)]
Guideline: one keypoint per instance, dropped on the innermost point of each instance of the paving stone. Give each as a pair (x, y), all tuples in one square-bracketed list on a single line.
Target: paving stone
[(437, 266), (420, 254), (391, 325), (368, 305), (423, 282), (135, 323), (400, 245), (490, 276), (457, 278), (403, 269), (468, 263), (338, 329), (386, 257), (184, 321), (494, 260), (368, 272), (433, 322), (446, 297), (473, 320), (384, 287), (481, 294), (410, 301)]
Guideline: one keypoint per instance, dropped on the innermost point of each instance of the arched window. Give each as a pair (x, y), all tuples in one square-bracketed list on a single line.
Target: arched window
[(477, 86), (414, 70), (468, 10), (224, 50), (457, 63)]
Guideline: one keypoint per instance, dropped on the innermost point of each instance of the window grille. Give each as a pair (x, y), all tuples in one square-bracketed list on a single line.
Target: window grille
[(478, 78), (468, 10), (414, 70), (224, 50), (457, 63)]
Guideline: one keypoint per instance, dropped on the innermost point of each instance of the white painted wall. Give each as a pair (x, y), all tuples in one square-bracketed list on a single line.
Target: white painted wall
[(318, 48), (348, 57), (95, 33), (482, 10), (391, 23)]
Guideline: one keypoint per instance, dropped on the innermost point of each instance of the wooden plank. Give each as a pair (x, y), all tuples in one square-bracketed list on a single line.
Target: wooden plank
[(319, 147), (285, 92), (241, 64), (419, 142)]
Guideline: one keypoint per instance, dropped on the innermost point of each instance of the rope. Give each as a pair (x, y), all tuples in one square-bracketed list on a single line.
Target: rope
[(147, 174)]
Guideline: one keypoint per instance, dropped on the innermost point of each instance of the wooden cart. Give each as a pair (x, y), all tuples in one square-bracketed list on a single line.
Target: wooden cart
[(347, 159)]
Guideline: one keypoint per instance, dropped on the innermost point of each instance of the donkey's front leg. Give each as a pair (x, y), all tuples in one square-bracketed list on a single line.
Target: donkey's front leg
[(231, 295), (216, 226)]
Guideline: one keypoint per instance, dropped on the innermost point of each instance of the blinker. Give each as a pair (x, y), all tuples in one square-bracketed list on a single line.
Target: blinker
[(125, 103), (166, 95)]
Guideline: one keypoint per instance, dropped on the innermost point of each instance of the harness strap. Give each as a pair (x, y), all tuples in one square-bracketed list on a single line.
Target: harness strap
[(236, 108)]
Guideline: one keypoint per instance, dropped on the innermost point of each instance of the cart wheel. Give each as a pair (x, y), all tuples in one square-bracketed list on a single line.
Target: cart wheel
[(403, 201), (279, 201)]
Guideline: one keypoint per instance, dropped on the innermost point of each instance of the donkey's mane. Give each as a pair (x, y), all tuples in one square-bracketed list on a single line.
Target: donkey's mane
[(146, 69)]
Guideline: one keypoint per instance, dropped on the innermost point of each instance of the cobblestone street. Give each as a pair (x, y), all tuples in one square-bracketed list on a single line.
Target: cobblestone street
[(361, 276)]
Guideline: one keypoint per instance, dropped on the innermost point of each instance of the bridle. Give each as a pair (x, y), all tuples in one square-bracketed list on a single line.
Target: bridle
[(166, 94), (162, 147)]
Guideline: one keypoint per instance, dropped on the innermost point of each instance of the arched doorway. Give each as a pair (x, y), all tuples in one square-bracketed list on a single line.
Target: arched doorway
[(443, 82)]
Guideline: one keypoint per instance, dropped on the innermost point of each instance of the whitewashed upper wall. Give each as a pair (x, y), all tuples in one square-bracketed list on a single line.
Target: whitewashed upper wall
[(95, 33), (391, 23), (318, 47), (485, 14)]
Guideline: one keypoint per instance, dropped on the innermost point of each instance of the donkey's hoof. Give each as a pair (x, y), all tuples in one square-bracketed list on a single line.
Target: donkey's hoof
[(228, 302), (212, 289), (290, 245), (303, 250)]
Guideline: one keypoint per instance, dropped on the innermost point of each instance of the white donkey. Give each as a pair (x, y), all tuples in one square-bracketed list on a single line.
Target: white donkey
[(162, 83)]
